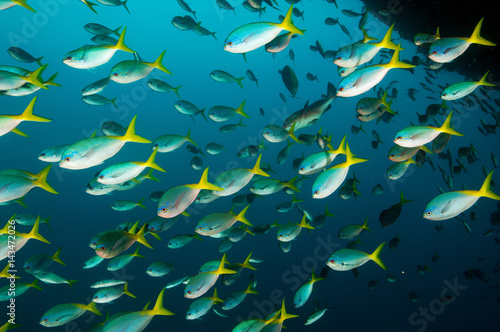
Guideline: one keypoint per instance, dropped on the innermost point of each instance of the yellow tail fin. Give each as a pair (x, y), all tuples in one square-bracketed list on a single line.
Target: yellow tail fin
[(303, 223), (395, 63), (204, 184), (386, 42), (485, 190), (483, 81), (23, 4), (130, 135), (256, 168), (120, 45), (41, 180), (240, 111), (375, 256), (158, 309), (34, 77), (56, 258), (126, 292), (189, 139), (446, 127), (350, 159), (139, 237), (246, 263), (158, 64), (241, 216), (34, 232), (28, 115), (221, 269), (475, 38), (151, 162), (287, 23)]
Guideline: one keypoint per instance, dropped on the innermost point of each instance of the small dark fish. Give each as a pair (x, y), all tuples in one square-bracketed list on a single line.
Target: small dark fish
[(331, 21), (413, 296), (251, 77), (345, 30), (312, 77), (355, 273), (350, 13), (372, 284), (393, 244)]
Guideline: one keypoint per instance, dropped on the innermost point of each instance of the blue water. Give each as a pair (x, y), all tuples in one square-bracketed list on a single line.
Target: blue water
[(57, 28)]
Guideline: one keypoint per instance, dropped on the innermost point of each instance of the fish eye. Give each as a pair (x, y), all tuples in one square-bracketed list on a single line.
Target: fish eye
[(150, 270), (103, 248), (42, 154), (341, 89), (67, 158), (434, 52), (338, 58), (189, 292), (444, 94), (45, 320), (115, 74), (151, 228), (68, 58), (101, 177), (399, 138), (96, 297), (392, 155), (428, 213), (316, 192), (332, 261), (164, 209), (229, 43)]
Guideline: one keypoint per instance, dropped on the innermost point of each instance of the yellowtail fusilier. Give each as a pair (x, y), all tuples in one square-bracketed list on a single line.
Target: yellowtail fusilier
[(177, 199), (98, 100), (136, 321), (90, 56), (201, 283), (113, 242), (215, 223), (421, 39), (168, 143), (201, 306), (447, 49), (129, 71), (397, 170), (451, 204), (363, 79), (414, 136), (331, 179), (95, 87), (94, 151), (62, 314), (363, 51), (254, 35), (224, 77), (234, 299), (290, 231), (304, 292), (109, 294), (163, 87), (188, 108), (348, 259), (122, 172), (224, 113), (462, 89), (318, 161)]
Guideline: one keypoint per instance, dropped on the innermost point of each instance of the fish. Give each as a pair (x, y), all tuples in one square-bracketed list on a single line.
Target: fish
[(363, 79), (224, 77), (290, 80), (389, 216), (109, 294), (169, 143), (62, 314), (448, 49), (21, 55), (351, 231), (462, 89), (163, 87), (451, 204), (93, 151), (251, 36), (95, 87), (420, 39), (91, 56), (177, 199), (129, 71), (225, 113), (348, 259), (304, 292), (236, 298), (419, 135), (251, 77), (331, 179)]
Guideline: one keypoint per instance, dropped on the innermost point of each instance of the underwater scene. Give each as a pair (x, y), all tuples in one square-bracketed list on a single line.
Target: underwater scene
[(247, 165)]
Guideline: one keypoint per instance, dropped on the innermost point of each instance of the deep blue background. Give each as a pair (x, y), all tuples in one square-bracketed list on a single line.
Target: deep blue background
[(77, 216)]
